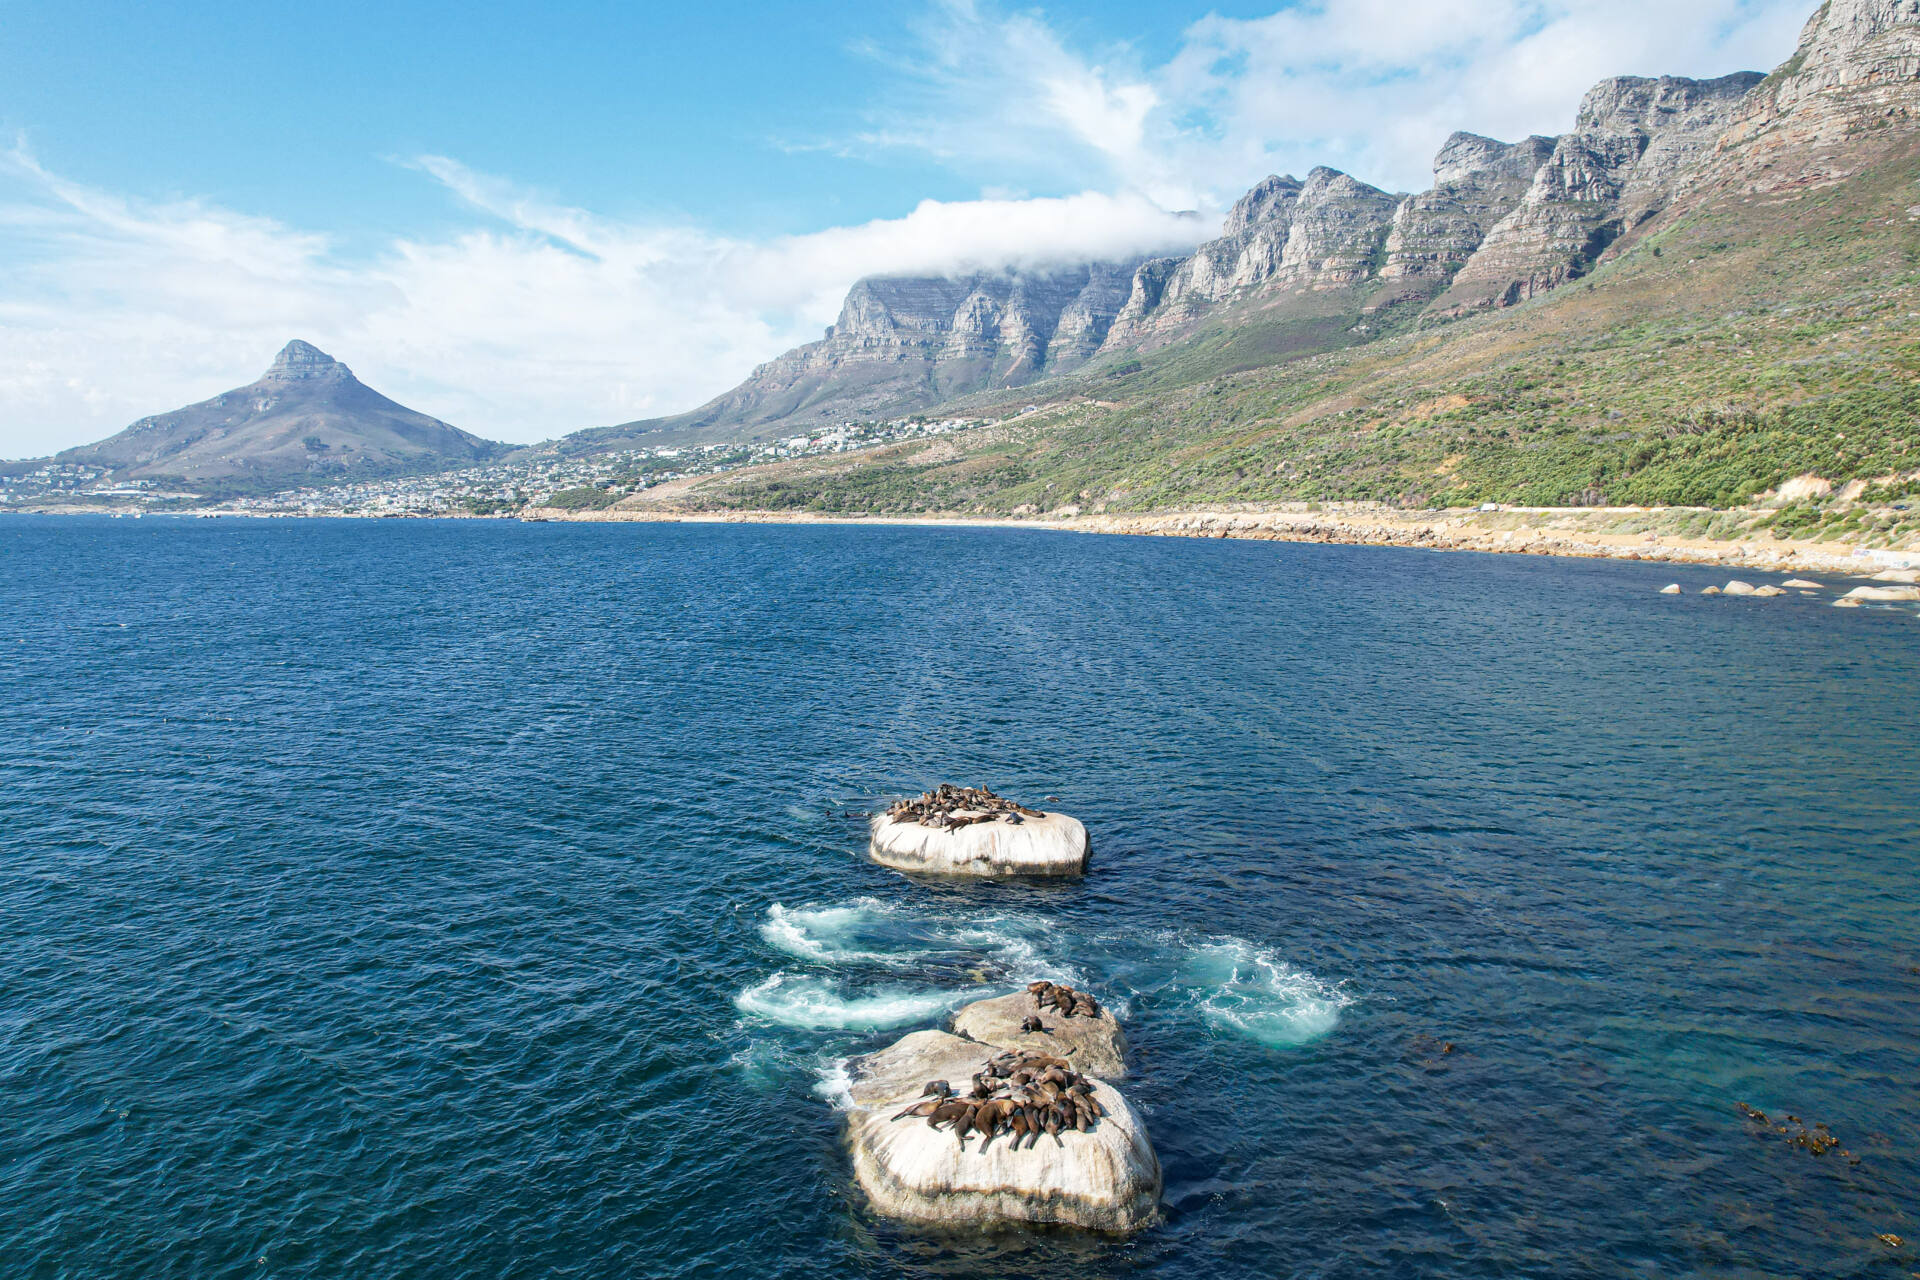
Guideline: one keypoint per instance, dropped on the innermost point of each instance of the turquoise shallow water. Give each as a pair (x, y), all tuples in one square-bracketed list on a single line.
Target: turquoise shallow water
[(478, 899)]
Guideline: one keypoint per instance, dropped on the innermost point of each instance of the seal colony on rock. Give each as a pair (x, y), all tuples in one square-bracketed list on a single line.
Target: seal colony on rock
[(1023, 1094), (948, 808), (970, 831), (1064, 999), (1096, 1167)]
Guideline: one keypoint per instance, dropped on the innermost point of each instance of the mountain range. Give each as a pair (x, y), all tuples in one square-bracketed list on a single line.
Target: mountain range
[(1700, 284), (1503, 222), (1705, 288)]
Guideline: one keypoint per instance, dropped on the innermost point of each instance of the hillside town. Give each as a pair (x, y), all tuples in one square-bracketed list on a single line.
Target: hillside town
[(538, 476)]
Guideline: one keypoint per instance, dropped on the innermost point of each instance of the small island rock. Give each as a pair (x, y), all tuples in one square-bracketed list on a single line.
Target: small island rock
[(1052, 844), (1738, 588), (1671, 589), (1107, 1178), (1801, 584), (1096, 1045)]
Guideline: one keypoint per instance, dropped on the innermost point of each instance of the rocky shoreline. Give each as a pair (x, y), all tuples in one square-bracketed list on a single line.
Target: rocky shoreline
[(1589, 533)]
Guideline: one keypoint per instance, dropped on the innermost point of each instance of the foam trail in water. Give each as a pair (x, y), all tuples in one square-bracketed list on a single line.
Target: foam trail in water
[(825, 935), (1251, 992), (795, 1000), (1233, 985), (867, 931)]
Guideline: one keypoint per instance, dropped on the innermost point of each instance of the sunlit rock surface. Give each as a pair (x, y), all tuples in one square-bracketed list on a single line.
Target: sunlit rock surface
[(1050, 845), (1096, 1045)]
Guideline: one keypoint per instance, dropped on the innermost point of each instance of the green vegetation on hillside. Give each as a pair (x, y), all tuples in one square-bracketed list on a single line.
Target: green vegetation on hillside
[(1738, 344)]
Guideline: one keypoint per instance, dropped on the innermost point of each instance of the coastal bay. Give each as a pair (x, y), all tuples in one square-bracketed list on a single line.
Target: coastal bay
[(496, 894)]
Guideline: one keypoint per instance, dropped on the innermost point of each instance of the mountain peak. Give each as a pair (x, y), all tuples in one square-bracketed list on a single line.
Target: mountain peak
[(302, 361)]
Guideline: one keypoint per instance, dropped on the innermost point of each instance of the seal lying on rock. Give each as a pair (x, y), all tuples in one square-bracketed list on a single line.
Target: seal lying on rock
[(948, 806)]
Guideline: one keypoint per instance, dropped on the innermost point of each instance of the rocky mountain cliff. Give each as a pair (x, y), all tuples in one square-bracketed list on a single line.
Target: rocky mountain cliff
[(307, 419), (1502, 223), (902, 343), (1633, 139)]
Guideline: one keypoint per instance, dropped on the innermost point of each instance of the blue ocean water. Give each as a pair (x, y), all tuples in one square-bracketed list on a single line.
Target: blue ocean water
[(481, 899)]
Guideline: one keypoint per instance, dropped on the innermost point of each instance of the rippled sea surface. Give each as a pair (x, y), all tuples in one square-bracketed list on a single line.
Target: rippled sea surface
[(386, 899)]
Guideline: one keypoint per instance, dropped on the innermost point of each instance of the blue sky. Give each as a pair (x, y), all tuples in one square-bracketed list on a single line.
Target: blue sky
[(528, 219), (725, 112)]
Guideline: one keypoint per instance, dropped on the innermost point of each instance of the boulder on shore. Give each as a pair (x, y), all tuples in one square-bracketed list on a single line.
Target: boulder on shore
[(1052, 844), (1106, 1178), (1891, 594), (1094, 1045), (1909, 576)]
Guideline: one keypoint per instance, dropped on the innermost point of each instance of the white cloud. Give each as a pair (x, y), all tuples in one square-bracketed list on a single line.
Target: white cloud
[(544, 320), (1370, 86)]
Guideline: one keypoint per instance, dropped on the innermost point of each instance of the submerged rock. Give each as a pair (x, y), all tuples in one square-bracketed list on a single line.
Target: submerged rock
[(1801, 584), (1095, 1044), (1051, 844), (1106, 1178)]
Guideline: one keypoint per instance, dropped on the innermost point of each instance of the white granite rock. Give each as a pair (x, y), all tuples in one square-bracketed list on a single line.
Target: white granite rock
[(1096, 1046), (1107, 1178), (1050, 845)]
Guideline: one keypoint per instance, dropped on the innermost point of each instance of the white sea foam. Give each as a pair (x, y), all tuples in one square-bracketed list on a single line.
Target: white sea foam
[(826, 935), (802, 1000), (1252, 992), (1230, 983), (835, 1083), (870, 932)]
